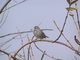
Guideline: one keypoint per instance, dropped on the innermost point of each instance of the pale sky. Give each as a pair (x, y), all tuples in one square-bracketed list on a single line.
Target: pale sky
[(25, 16)]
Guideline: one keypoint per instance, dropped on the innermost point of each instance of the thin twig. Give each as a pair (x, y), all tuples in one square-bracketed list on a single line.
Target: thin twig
[(77, 17), (32, 54), (38, 48), (14, 33), (75, 57), (4, 52), (4, 6), (3, 21), (43, 55), (63, 26), (22, 44), (47, 29), (45, 52), (75, 22), (8, 54), (51, 41), (21, 33), (29, 48), (4, 43), (14, 5), (63, 34)]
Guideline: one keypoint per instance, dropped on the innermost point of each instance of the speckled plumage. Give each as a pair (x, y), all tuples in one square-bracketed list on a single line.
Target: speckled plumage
[(38, 33)]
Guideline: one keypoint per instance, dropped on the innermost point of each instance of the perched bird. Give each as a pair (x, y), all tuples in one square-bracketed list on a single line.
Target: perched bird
[(38, 33)]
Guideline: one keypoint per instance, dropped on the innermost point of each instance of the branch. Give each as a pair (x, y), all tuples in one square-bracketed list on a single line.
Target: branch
[(63, 26), (22, 32), (14, 33), (45, 52), (77, 17), (22, 44), (75, 57), (4, 52), (51, 41), (74, 22), (4, 43), (8, 54), (14, 5), (3, 20), (63, 34), (29, 48), (4, 6), (29, 52), (43, 55)]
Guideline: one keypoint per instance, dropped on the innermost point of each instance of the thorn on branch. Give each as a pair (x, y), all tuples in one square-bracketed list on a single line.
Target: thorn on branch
[(76, 40)]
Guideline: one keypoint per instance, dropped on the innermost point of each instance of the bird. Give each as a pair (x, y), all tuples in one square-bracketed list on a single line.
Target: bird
[(38, 33)]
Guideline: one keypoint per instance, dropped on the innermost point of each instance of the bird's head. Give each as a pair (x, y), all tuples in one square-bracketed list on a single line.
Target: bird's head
[(36, 27)]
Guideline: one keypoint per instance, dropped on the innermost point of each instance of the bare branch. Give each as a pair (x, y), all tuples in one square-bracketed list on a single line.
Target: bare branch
[(14, 33), (51, 41), (47, 29), (63, 34), (4, 52), (4, 43), (14, 5), (75, 22), (43, 55), (77, 17), (3, 21), (21, 33), (28, 52), (63, 26), (75, 57), (4, 6), (29, 48), (22, 44), (8, 54)]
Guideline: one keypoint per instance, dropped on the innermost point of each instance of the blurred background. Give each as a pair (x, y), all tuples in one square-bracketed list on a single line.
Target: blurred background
[(42, 13)]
